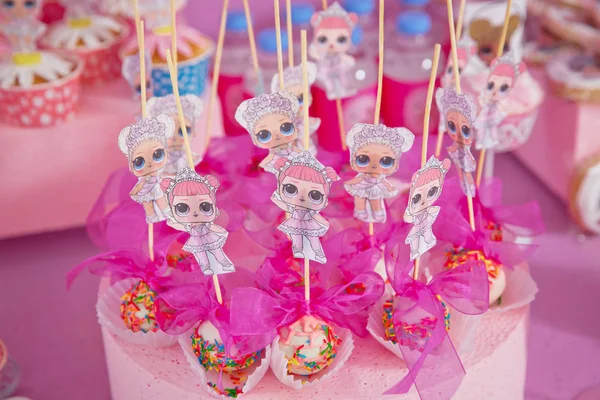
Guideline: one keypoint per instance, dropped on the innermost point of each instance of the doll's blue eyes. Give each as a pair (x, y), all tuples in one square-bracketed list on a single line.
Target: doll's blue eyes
[(451, 127), (158, 155), (263, 136), (362, 160), (188, 130), (301, 99), (8, 4), (287, 128), (138, 163), (466, 132), (386, 162), (182, 209), (30, 4), (504, 87)]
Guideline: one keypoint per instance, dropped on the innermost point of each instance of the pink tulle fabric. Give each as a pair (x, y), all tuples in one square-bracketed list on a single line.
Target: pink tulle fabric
[(433, 363)]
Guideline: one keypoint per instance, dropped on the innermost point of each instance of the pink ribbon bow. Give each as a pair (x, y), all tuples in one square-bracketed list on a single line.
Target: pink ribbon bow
[(262, 312), (420, 326)]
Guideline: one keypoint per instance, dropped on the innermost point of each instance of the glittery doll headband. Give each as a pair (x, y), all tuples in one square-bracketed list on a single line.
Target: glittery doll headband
[(251, 111), (191, 104), (507, 64), (432, 163), (334, 10), (448, 99), (398, 139), (306, 159), (131, 67), (188, 175), (160, 129), (293, 76)]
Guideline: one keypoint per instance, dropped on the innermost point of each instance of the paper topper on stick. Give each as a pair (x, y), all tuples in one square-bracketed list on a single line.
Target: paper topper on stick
[(131, 72), (145, 145), (270, 121), (331, 43), (192, 109), (375, 152), (501, 80), (292, 81), (426, 188), (303, 186), (459, 111), (192, 201)]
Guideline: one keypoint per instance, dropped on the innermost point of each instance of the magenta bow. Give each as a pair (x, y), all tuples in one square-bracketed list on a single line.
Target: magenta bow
[(262, 312), (124, 264), (420, 326)]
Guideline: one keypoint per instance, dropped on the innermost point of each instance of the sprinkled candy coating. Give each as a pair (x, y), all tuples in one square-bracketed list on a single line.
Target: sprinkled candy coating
[(137, 308)]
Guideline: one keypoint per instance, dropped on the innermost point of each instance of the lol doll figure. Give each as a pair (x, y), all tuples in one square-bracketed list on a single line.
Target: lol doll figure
[(502, 78), (21, 28), (459, 111), (145, 145), (131, 72), (192, 109), (464, 52), (269, 119), (426, 188), (375, 152), (192, 199), (331, 43), (303, 185), (293, 83)]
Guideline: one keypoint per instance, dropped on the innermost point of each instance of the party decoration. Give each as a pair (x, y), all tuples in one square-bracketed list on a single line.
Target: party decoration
[(302, 190), (460, 112), (331, 43), (192, 201), (426, 188), (270, 121), (131, 72), (375, 152), (292, 79), (145, 145), (37, 88), (575, 76), (503, 76), (192, 109)]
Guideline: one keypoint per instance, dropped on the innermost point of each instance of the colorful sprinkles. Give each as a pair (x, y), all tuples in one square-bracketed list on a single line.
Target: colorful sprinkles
[(137, 308), (227, 392), (300, 365), (409, 332), (459, 255), (388, 321), (496, 229), (211, 355)]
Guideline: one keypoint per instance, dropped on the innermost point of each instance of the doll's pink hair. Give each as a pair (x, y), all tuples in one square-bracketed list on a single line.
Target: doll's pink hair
[(305, 173), (334, 23), (191, 188), (430, 175), (507, 69)]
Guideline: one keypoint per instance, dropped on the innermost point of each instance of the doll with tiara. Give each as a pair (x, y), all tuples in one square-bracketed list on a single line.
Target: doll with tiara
[(192, 109), (459, 112), (503, 76), (145, 145), (293, 83), (332, 39), (131, 72), (426, 188), (192, 199), (270, 121), (375, 152), (303, 186)]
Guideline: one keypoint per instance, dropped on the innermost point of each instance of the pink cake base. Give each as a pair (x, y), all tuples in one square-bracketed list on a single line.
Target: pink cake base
[(495, 369)]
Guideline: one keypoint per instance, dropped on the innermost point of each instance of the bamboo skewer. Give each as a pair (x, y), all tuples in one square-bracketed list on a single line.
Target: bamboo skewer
[(252, 43), (306, 144), (290, 32), (279, 45)]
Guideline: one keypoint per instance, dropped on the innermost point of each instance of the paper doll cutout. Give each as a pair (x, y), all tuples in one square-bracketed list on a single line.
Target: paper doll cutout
[(303, 186), (270, 121), (426, 188), (131, 72), (375, 152), (459, 111), (145, 145), (22, 27), (192, 109), (464, 53), (192, 200), (293, 83), (331, 42), (487, 36), (500, 82)]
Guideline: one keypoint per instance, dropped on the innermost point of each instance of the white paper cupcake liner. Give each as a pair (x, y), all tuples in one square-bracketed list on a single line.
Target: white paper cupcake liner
[(279, 363), (375, 324), (254, 373), (520, 290), (108, 309)]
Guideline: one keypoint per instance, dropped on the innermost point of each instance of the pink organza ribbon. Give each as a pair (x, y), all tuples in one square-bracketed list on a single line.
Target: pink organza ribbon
[(262, 312), (465, 288)]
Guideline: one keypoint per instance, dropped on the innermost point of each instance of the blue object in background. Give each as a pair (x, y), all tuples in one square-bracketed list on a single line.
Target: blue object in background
[(236, 22), (413, 23), (267, 40), (359, 7), (192, 78), (358, 35), (302, 13)]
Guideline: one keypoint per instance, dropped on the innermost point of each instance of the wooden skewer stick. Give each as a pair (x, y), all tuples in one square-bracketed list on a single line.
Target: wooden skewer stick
[(216, 71), (186, 141), (279, 46), (252, 42), (324, 4), (306, 143), (290, 33), (458, 90), (499, 52), (174, 36), (430, 91)]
